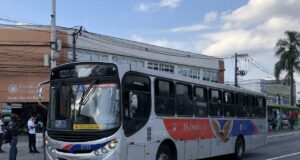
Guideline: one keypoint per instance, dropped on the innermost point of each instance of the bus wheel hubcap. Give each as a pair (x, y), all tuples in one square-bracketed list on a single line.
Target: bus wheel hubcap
[(240, 149), (163, 156)]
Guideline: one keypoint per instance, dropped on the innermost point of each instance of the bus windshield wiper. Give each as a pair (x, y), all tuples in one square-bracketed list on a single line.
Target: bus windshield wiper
[(86, 96)]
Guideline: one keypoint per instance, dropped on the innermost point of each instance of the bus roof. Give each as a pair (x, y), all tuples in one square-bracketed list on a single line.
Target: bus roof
[(167, 75), (127, 67)]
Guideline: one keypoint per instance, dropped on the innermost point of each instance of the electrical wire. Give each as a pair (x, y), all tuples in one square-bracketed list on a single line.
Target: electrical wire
[(261, 67), (46, 28), (104, 39)]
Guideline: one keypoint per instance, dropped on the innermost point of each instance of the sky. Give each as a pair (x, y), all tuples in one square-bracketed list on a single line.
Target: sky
[(212, 27)]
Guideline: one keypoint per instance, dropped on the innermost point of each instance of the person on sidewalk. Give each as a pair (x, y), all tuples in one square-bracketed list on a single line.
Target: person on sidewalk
[(1, 132), (13, 132), (293, 119), (31, 134)]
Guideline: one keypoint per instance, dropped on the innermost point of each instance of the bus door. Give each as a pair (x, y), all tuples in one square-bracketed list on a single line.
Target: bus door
[(136, 112)]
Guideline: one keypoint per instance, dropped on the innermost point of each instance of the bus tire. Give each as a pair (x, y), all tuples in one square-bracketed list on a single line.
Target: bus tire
[(239, 148), (164, 153)]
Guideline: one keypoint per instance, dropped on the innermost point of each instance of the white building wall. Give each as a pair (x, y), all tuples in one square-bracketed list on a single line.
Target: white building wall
[(118, 50)]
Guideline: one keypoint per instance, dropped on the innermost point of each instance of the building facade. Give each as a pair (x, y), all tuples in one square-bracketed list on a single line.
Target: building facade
[(278, 92), (95, 47), (22, 51)]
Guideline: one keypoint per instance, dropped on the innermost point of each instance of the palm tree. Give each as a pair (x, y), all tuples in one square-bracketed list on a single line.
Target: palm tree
[(287, 50)]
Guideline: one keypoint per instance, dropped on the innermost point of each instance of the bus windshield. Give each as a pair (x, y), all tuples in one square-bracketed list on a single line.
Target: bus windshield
[(93, 106)]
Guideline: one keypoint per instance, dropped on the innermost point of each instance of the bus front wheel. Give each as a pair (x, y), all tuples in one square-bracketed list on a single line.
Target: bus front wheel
[(164, 153), (239, 148)]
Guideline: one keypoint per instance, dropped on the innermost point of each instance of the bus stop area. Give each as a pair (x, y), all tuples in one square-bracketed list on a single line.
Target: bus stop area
[(283, 117)]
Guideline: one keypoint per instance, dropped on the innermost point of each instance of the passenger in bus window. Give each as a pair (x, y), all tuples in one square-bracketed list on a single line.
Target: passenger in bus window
[(161, 107), (218, 112), (201, 112), (228, 114)]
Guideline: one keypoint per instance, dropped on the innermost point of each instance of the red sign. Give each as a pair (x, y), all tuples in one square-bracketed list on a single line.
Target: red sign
[(188, 129)]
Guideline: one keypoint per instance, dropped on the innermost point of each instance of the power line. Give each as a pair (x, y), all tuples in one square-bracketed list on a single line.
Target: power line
[(104, 39), (46, 28), (261, 67), (130, 46)]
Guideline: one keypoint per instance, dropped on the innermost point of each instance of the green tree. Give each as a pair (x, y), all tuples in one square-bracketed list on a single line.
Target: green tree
[(287, 49)]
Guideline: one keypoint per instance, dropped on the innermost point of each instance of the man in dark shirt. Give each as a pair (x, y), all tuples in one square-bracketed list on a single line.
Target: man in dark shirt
[(14, 132)]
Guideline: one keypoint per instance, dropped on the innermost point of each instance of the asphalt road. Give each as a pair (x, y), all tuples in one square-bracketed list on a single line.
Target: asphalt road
[(282, 148), (279, 148)]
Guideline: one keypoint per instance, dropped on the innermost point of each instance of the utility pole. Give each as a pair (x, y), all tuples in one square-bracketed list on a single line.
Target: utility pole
[(53, 43), (235, 70), (238, 72), (75, 36)]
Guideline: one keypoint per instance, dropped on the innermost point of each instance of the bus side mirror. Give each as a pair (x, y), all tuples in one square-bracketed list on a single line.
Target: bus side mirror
[(40, 92), (133, 104)]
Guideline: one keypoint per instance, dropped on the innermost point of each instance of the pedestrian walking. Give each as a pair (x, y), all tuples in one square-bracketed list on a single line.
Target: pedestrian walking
[(13, 132), (1, 132), (31, 134)]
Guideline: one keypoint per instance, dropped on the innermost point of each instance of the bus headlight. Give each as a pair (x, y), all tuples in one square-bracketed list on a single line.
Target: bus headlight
[(109, 146), (104, 150), (96, 152), (112, 144), (46, 141), (50, 149)]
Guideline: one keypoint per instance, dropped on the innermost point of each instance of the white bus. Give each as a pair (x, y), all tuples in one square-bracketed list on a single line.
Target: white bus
[(106, 111)]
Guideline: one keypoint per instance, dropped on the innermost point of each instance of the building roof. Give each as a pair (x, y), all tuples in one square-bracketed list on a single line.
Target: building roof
[(146, 46), (118, 46)]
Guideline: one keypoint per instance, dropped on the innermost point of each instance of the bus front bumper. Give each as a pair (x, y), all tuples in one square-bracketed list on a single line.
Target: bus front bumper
[(56, 155)]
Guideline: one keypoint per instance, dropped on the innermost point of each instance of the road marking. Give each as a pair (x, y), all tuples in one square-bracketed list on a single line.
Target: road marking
[(288, 155)]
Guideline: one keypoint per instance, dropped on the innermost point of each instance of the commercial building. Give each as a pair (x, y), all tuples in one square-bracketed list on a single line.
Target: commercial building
[(22, 50), (278, 92)]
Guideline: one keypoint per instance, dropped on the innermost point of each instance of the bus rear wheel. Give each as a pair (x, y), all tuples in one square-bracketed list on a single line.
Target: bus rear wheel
[(164, 153), (239, 149)]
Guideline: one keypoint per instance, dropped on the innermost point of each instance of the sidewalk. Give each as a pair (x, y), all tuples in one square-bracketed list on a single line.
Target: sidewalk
[(23, 151), (283, 133), (274, 136)]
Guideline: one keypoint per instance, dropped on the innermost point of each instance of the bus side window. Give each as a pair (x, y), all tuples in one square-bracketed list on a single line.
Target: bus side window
[(184, 104), (200, 102), (164, 98), (136, 88), (250, 106), (228, 104), (260, 109), (240, 105), (215, 103)]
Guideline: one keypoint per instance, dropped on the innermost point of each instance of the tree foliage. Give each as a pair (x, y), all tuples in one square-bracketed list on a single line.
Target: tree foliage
[(287, 50)]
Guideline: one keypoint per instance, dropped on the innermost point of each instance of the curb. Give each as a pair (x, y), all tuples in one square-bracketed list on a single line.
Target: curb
[(283, 135)]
